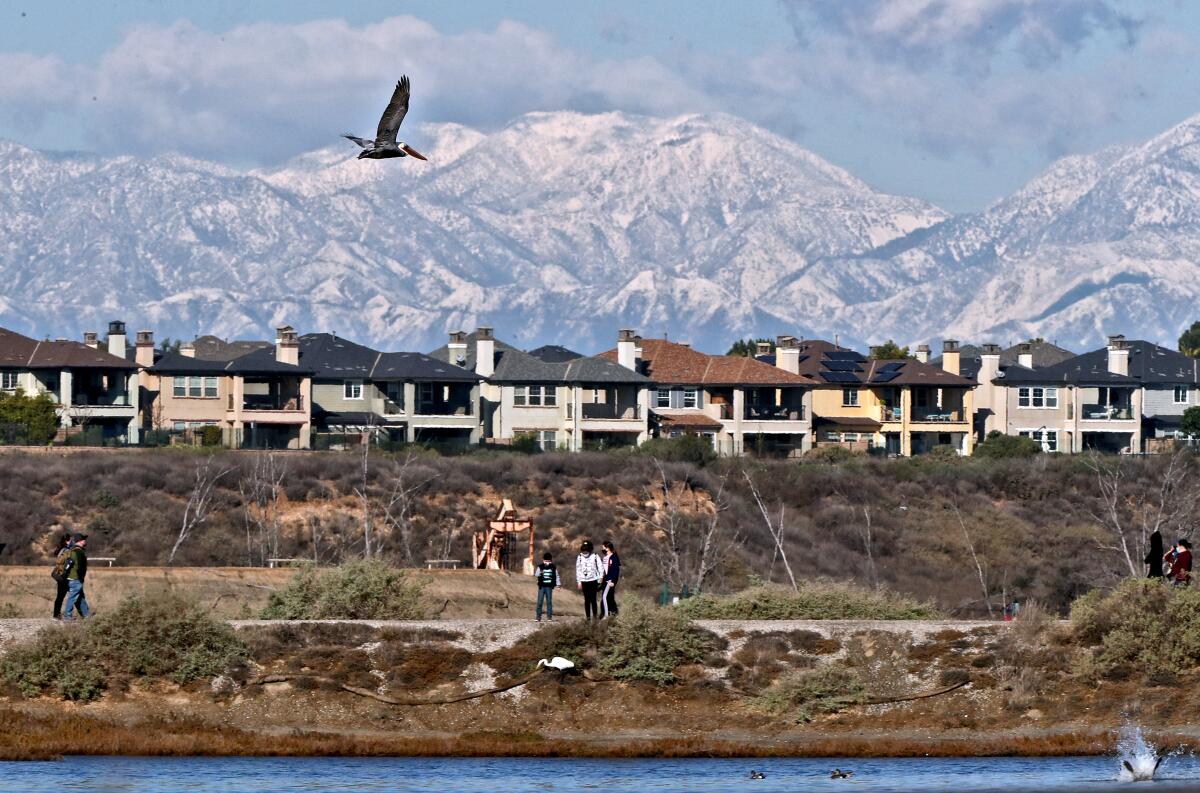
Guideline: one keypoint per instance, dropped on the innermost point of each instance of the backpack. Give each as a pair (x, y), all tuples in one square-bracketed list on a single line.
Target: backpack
[(62, 564)]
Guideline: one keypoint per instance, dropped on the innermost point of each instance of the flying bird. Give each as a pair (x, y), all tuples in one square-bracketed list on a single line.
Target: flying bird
[(385, 144)]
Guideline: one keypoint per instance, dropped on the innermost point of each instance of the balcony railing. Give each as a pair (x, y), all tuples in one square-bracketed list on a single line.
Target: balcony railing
[(101, 399), (268, 402), (392, 408), (1107, 413), (774, 413), (936, 415), (605, 410), (444, 409)]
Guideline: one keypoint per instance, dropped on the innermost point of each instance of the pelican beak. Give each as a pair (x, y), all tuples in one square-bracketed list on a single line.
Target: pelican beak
[(411, 152)]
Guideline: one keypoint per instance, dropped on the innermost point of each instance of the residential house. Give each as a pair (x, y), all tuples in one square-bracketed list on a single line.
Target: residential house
[(407, 395), (260, 399), (563, 399), (742, 405), (1110, 399), (95, 387), (902, 407)]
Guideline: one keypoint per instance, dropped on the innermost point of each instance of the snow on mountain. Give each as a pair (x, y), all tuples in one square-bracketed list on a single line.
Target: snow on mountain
[(563, 227)]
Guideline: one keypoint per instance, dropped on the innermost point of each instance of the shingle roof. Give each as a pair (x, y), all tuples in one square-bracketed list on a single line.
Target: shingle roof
[(212, 348), (19, 351), (1044, 354), (815, 363), (443, 353), (419, 366), (260, 361), (677, 364), (555, 353), (515, 366), (1148, 364), (332, 357)]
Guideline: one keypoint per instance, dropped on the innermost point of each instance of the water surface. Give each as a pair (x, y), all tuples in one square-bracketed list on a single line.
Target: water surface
[(512, 775)]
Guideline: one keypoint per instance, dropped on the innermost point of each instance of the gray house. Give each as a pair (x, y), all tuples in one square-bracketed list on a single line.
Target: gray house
[(408, 396)]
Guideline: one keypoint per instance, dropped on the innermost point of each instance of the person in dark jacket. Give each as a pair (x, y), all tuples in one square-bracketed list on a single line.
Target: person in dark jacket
[(612, 574), (548, 580), (76, 572), (61, 553), (1154, 556)]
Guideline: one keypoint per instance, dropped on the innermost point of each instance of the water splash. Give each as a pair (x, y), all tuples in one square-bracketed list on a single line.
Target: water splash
[(1139, 759)]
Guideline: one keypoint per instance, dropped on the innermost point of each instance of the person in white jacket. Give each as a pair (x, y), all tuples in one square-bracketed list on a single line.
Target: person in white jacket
[(589, 572)]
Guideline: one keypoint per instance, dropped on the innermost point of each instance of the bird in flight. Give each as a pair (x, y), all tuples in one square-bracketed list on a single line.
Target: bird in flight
[(385, 144)]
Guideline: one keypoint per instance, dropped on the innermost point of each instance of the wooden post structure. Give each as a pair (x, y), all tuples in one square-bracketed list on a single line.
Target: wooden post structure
[(491, 546)]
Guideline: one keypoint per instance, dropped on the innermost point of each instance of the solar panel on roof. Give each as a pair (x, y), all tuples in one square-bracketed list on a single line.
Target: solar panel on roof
[(844, 355), (885, 377), (839, 377), (843, 366), (891, 367)]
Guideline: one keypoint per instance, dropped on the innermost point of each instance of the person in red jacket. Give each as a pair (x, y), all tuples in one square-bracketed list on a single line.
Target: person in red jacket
[(1179, 563)]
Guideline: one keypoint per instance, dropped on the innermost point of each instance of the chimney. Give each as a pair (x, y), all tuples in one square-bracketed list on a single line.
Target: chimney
[(762, 348), (1025, 355), (90, 339), (144, 349), (923, 353), (187, 349), (456, 349), (951, 356), (989, 363), (116, 339), (287, 345), (485, 352), (787, 354), (1118, 355), (627, 349)]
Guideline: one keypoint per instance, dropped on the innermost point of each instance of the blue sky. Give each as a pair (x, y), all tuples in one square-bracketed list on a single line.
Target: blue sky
[(955, 101)]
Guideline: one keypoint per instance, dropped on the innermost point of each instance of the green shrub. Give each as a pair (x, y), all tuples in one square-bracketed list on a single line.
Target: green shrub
[(164, 636), (211, 436), (997, 445), (816, 600), (680, 449), (1143, 626), (27, 419), (648, 643), (803, 694), (944, 453), (831, 455), (525, 443), (41, 664), (363, 590)]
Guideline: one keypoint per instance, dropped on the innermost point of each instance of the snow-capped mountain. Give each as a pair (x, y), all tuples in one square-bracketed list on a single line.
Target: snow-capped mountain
[(563, 227)]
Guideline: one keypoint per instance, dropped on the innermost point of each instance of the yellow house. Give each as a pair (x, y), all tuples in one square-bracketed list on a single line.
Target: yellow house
[(904, 407)]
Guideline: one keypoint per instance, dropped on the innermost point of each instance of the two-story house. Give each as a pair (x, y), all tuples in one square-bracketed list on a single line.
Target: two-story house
[(903, 407), (1109, 400), (96, 388), (408, 396), (565, 400), (742, 405), (260, 399)]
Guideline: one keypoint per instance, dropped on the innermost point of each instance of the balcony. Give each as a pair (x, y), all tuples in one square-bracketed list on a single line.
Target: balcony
[(890, 413), (773, 413), (937, 415), (101, 399), (445, 409), (1101, 412), (392, 407), (261, 402), (604, 410)]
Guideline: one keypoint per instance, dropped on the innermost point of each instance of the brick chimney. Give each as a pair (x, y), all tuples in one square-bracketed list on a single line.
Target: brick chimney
[(485, 352), (91, 339), (1025, 355), (287, 345), (144, 349), (787, 354), (951, 358), (923, 353), (116, 338), (1118, 355), (627, 348)]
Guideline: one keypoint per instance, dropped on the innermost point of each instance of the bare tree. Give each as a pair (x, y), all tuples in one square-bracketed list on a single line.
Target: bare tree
[(864, 533), (1130, 512), (403, 499), (775, 528), (686, 534), (200, 500), (260, 486), (987, 595), (363, 490)]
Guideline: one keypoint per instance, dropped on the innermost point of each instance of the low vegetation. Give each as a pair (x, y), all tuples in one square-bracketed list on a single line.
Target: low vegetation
[(1142, 627), (814, 600), (804, 694), (360, 590), (165, 637), (648, 643)]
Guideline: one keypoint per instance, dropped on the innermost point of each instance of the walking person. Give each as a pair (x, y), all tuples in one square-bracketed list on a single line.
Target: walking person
[(589, 570), (76, 572), (1154, 556), (612, 574), (59, 574), (548, 580), (1179, 563)]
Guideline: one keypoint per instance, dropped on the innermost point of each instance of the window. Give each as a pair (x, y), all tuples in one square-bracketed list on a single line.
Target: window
[(691, 398), (1047, 438), (352, 389), (425, 395), (1181, 395), (850, 436), (662, 398), (8, 381), (180, 388), (547, 440), (833, 435), (535, 396), (210, 387), (850, 397), (1037, 397)]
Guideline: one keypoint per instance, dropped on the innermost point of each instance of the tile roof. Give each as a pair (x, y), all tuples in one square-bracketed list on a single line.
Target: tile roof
[(1148, 364), (676, 364), (685, 417), (19, 351)]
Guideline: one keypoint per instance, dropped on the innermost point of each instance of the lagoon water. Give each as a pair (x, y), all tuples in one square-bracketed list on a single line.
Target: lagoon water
[(515, 775)]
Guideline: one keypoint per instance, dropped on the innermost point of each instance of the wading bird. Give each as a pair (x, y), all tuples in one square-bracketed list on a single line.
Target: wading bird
[(385, 144)]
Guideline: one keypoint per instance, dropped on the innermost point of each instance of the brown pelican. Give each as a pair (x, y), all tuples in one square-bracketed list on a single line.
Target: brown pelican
[(385, 144)]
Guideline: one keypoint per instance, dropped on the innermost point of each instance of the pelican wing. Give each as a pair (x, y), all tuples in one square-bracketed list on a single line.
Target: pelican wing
[(389, 122), (366, 144)]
